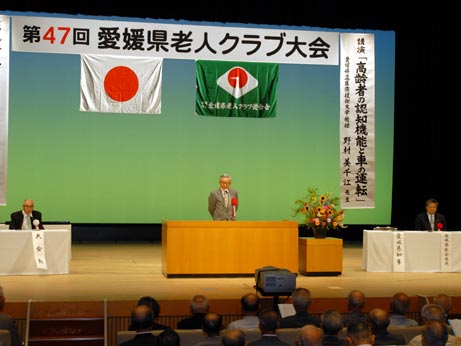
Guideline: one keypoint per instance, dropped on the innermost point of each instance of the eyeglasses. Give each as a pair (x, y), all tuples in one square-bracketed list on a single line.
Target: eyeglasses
[(28, 206)]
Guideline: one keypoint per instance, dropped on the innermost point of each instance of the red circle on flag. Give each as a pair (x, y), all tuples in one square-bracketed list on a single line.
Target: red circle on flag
[(239, 75), (121, 83)]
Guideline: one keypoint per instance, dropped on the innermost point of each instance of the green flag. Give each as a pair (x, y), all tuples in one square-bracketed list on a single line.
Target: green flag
[(236, 89)]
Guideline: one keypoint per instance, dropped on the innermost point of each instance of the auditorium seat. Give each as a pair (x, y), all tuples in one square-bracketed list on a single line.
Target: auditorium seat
[(5, 339), (187, 336), (192, 336)]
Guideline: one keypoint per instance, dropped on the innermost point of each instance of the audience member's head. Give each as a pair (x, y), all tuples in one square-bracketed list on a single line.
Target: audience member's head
[(444, 300), (301, 299), (152, 303), (331, 322), (309, 335), (359, 333), (400, 303), (432, 312), (142, 318), (379, 319), (269, 321), (199, 304), (434, 333), (212, 324), (168, 337), (250, 304), (355, 300), (233, 337)]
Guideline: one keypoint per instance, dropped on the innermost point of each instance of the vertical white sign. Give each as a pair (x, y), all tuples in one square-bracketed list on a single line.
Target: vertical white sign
[(357, 121), (4, 92), (38, 242)]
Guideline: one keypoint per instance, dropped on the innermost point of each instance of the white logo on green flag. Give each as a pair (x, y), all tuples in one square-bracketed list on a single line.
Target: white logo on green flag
[(236, 89), (237, 81)]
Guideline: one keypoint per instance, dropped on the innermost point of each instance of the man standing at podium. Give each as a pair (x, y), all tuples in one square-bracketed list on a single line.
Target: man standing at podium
[(27, 218), (223, 202), (431, 220)]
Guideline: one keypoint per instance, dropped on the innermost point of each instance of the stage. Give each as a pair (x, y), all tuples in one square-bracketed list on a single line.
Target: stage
[(127, 271)]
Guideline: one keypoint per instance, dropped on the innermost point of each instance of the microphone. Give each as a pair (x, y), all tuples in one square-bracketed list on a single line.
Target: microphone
[(36, 223)]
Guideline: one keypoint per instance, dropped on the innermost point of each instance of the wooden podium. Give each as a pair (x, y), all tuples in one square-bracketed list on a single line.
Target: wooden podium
[(227, 248), (320, 256)]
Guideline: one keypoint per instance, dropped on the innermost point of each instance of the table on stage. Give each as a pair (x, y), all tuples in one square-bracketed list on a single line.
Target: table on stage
[(411, 251), (17, 254)]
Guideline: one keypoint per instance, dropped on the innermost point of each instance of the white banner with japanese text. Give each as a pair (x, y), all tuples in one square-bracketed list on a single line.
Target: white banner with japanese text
[(174, 41), (4, 92), (38, 243), (357, 121)]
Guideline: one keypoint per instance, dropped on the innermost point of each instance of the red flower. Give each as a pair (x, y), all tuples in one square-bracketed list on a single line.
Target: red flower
[(439, 226), (234, 201)]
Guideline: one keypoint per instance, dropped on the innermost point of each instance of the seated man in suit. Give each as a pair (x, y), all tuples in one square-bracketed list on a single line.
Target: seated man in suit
[(430, 220), (269, 322), (359, 333), (7, 322), (309, 335), (142, 319), (434, 333), (27, 218), (199, 307), (250, 307), (234, 337), (433, 312), (301, 301), (379, 321)]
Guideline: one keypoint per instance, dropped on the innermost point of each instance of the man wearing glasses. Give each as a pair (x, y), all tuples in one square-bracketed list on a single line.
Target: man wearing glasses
[(27, 218), (223, 202)]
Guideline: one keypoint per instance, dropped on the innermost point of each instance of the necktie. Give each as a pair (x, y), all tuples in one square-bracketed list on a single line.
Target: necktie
[(432, 221), (226, 198), (28, 222)]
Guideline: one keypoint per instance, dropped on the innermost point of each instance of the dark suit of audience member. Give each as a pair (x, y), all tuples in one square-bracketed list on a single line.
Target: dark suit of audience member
[(379, 321), (269, 322), (400, 303), (199, 308), (309, 335), (7, 322), (423, 220), (301, 300), (331, 323), (155, 306), (142, 319), (211, 327), (355, 305), (233, 337), (17, 218)]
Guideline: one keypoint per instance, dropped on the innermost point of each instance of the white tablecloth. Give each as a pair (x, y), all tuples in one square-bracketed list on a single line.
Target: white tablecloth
[(411, 251), (17, 253)]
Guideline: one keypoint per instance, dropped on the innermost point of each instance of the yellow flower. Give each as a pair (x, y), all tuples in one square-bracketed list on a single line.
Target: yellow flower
[(319, 210)]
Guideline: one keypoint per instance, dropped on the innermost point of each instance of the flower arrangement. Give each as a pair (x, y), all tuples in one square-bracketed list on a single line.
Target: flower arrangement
[(320, 211)]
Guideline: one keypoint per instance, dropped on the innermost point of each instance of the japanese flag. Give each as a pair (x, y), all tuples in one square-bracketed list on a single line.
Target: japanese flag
[(116, 84)]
